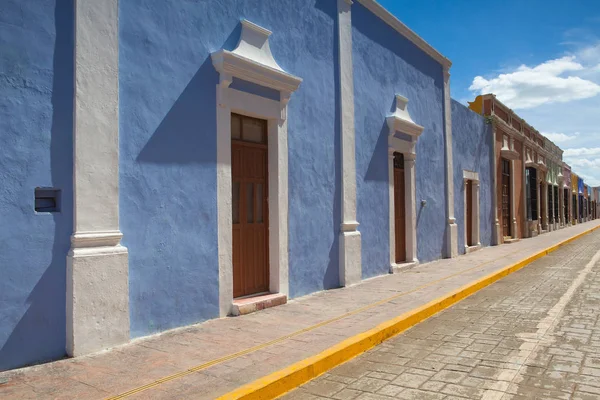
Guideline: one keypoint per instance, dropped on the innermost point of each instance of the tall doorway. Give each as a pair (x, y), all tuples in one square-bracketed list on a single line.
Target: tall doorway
[(399, 208), (249, 205), (506, 197)]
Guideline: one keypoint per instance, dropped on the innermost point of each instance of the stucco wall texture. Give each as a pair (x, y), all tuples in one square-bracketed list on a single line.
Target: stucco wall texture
[(36, 127), (386, 64), (472, 151), (168, 149)]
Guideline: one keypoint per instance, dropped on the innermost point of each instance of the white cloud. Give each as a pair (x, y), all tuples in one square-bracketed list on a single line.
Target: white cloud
[(594, 151), (529, 87), (569, 116), (560, 137)]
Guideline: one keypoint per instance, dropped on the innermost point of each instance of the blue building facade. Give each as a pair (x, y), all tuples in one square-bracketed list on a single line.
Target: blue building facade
[(472, 155), (161, 160)]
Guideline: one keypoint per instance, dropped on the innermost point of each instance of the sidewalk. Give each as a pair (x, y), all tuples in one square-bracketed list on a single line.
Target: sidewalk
[(215, 357)]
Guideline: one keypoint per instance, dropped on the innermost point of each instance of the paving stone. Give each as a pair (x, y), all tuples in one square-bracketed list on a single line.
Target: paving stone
[(409, 380), (449, 376), (390, 390), (367, 384), (323, 387)]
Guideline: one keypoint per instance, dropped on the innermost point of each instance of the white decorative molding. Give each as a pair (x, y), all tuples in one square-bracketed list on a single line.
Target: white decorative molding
[(96, 239), (400, 120), (252, 61), (451, 227), (275, 112), (97, 289), (530, 158), (541, 164), (508, 148), (350, 268), (405, 31), (471, 176)]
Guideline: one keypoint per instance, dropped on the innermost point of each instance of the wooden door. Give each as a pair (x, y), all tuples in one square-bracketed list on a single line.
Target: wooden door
[(399, 208), (469, 212), (506, 197), (249, 205)]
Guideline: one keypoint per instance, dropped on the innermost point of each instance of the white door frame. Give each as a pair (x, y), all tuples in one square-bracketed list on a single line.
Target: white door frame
[(475, 220), (252, 61)]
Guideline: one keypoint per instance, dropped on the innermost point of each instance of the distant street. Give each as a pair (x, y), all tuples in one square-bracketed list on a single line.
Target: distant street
[(534, 334)]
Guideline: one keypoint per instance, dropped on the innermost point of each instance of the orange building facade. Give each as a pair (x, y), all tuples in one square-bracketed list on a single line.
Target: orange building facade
[(529, 185)]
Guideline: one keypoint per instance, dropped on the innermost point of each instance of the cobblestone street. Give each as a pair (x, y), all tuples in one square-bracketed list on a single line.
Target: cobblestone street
[(534, 334)]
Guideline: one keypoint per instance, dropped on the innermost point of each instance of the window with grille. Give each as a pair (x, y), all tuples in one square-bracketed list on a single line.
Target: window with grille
[(398, 160)]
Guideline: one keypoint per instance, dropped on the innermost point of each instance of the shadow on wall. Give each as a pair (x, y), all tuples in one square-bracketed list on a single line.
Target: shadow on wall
[(182, 136), (331, 279), (40, 334), (378, 166)]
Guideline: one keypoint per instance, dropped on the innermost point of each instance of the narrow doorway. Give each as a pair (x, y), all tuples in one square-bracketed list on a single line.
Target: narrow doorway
[(399, 208), (249, 205), (469, 212)]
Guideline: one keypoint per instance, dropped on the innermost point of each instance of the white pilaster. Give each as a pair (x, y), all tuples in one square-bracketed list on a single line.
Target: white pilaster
[(350, 240), (451, 227), (527, 230), (410, 207), (97, 307)]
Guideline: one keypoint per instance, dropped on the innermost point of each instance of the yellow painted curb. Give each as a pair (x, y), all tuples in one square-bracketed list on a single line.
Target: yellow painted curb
[(282, 381)]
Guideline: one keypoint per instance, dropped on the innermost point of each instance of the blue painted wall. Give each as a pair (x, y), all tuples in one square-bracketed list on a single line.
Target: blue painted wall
[(385, 63), (36, 114), (168, 149), (472, 151)]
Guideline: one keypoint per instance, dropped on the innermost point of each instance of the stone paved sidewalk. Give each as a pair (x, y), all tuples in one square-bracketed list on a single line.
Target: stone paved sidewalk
[(533, 335), (210, 359)]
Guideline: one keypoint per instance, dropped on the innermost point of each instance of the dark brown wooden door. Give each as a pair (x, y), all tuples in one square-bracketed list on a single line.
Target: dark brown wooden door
[(469, 212), (249, 205), (506, 197), (399, 208)]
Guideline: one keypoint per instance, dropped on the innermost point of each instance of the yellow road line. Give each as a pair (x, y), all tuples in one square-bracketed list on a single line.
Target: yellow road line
[(282, 381), (316, 326)]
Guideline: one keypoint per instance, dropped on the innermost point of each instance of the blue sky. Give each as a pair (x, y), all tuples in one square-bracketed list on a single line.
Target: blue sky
[(541, 58)]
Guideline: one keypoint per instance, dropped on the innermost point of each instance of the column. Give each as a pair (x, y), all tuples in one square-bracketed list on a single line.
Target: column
[(97, 303), (451, 227), (350, 240), (561, 213), (410, 193)]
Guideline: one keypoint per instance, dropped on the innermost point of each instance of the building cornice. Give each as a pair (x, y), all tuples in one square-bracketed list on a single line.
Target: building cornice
[(405, 31)]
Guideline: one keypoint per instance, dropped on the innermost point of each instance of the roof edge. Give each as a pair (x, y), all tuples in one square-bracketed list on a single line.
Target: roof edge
[(405, 31)]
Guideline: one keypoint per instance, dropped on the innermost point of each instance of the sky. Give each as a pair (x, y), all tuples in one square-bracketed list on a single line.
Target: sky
[(541, 58)]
